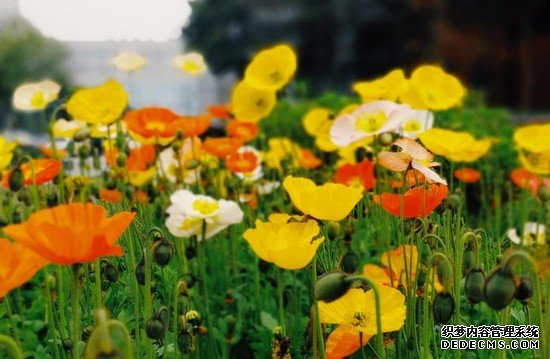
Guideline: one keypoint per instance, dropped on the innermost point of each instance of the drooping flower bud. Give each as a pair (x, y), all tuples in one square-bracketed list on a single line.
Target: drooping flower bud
[(16, 179), (350, 262), (525, 289), (443, 307), (82, 134), (474, 286), (331, 286), (163, 252), (500, 288)]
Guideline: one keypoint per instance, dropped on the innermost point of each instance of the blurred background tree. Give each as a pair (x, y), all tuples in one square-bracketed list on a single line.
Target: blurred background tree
[(25, 55), (495, 45)]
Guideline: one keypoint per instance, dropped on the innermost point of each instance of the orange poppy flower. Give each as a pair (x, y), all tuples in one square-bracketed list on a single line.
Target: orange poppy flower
[(72, 233), (154, 123), (139, 158), (110, 195), (467, 175), (343, 342), (220, 111), (222, 147), (308, 159), (416, 202), (48, 152), (42, 169), (243, 130), (242, 162), (193, 126), (360, 174), (525, 179), (17, 265), (140, 196)]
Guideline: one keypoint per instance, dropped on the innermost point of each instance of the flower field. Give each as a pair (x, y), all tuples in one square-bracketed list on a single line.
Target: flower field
[(278, 225)]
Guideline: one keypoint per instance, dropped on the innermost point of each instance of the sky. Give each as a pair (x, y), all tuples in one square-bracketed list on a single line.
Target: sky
[(107, 20)]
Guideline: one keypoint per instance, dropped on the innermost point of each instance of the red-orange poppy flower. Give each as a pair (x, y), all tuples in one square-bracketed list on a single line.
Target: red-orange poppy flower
[(152, 123), (243, 130), (140, 196), (416, 202), (42, 170), (360, 174), (222, 147), (525, 179), (220, 111), (467, 175), (139, 158), (242, 162), (308, 159), (344, 341), (193, 126), (111, 195), (72, 233), (49, 153), (18, 264)]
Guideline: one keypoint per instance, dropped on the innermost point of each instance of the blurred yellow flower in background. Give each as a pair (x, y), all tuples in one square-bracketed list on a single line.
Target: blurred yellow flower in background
[(192, 63), (35, 96), (288, 242), (250, 104), (314, 120), (432, 88), (129, 61), (455, 146), (6, 152), (67, 129), (271, 69), (100, 105), (537, 162), (357, 309), (533, 142), (388, 87), (331, 201)]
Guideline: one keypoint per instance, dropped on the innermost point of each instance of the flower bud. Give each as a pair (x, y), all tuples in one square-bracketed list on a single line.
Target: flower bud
[(443, 307), (163, 252), (15, 181), (454, 201), (525, 289), (474, 286), (109, 271), (120, 141), (52, 199), (82, 134), (25, 196), (468, 261), (544, 193), (121, 159), (385, 138), (185, 342), (140, 271), (350, 262), (331, 286), (155, 328), (84, 151), (67, 344), (500, 288)]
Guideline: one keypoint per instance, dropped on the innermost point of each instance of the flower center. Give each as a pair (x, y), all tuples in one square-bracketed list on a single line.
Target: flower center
[(275, 75), (38, 100), (371, 122), (189, 222), (155, 125), (190, 66), (412, 125), (205, 207), (358, 319)]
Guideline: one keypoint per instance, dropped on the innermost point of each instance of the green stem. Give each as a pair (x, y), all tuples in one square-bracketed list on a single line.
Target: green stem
[(280, 296), (9, 345), (75, 307), (318, 340)]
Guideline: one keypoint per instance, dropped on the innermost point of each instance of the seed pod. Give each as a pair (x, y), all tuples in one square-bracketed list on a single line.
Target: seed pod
[(16, 179), (82, 134), (500, 288), (525, 289), (155, 328), (163, 252), (185, 342), (468, 261), (350, 262), (121, 159), (443, 307), (331, 286), (385, 138), (474, 286)]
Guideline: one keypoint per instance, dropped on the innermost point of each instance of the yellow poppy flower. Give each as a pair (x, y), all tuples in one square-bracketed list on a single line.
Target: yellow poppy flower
[(100, 105), (388, 87), (35, 96), (347, 154), (286, 241), (315, 119), (357, 309), (67, 129), (455, 146), (250, 104), (331, 201), (128, 61), (537, 162), (323, 141), (139, 178), (271, 69), (191, 63), (432, 88), (533, 138), (349, 109), (6, 152)]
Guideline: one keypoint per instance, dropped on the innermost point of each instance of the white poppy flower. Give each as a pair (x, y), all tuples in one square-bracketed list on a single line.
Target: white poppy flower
[(189, 212), (128, 61), (191, 63), (67, 129), (533, 233), (367, 120), (414, 122), (35, 96), (267, 187)]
